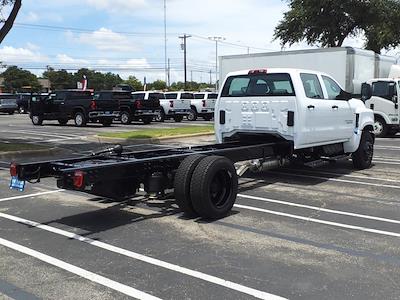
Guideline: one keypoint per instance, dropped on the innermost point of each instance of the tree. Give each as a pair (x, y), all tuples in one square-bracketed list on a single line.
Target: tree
[(329, 22), (157, 85), (17, 80), (135, 83), (59, 80), (9, 22)]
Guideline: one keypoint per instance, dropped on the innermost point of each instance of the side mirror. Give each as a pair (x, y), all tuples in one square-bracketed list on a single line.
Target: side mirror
[(366, 92)]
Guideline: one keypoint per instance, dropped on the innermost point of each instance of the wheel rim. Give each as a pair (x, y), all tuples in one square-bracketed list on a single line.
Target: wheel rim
[(35, 119), (220, 188), (21, 110), (191, 116), (124, 118), (78, 119), (378, 127)]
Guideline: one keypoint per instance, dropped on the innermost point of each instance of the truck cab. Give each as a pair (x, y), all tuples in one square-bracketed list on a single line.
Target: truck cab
[(308, 108), (382, 96), (176, 105), (203, 106)]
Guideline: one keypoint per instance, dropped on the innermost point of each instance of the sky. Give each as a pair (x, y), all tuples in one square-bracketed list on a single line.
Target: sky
[(127, 36)]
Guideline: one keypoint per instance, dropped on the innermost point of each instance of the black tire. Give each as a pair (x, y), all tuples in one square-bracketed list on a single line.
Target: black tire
[(362, 158), (106, 122), (80, 119), (182, 181), (10, 113), (207, 118), (147, 120), (380, 127), (178, 119), (63, 122), (192, 116), (126, 118), (160, 117), (214, 186), (37, 120)]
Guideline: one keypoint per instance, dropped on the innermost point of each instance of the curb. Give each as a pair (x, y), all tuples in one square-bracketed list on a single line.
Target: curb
[(150, 140)]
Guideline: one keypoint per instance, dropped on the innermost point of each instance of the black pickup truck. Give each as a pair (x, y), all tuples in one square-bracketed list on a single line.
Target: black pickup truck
[(76, 105), (137, 106)]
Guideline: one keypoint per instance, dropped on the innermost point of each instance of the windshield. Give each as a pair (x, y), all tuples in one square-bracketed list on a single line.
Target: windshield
[(263, 85)]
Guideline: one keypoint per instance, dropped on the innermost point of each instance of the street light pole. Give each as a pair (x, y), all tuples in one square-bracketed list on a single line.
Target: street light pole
[(184, 38), (216, 39), (165, 42)]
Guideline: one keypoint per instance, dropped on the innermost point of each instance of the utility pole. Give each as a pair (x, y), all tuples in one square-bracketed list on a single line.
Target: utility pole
[(191, 76), (183, 45), (169, 72), (210, 77), (216, 39), (165, 41)]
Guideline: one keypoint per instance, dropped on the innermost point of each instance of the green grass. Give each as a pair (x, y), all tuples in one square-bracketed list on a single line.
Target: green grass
[(159, 133), (11, 147)]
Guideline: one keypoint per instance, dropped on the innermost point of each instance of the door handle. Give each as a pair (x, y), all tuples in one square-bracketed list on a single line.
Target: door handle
[(311, 107), (335, 107)]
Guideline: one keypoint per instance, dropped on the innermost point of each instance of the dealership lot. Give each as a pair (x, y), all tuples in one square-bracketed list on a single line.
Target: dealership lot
[(296, 233)]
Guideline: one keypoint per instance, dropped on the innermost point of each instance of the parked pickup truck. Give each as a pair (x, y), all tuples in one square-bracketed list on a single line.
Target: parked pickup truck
[(202, 106), (8, 103), (176, 106), (76, 105), (142, 106), (265, 119)]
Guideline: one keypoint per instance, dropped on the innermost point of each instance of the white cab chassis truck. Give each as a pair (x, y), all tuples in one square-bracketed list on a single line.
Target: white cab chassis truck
[(382, 96), (264, 119), (203, 106)]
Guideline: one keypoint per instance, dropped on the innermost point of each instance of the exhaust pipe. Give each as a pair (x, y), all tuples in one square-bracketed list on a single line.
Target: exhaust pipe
[(261, 165)]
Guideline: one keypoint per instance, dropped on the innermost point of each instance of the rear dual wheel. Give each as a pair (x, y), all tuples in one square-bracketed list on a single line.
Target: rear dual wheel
[(206, 186)]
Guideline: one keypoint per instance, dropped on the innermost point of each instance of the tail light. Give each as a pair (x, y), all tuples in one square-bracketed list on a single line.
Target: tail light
[(93, 105), (138, 104), (13, 170), (79, 178), (204, 103), (171, 103)]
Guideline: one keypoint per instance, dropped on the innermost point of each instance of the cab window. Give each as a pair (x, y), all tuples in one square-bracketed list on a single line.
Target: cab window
[(171, 96), (312, 86), (199, 96), (187, 96), (212, 96), (382, 89), (139, 96)]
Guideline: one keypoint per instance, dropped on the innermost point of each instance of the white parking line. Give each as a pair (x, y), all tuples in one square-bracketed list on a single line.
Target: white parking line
[(338, 180), (30, 195), (332, 211), (308, 219), (345, 175), (386, 162), (153, 261), (119, 287)]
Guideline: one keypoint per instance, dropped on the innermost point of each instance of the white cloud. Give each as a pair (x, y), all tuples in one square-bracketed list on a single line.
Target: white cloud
[(10, 55), (117, 6), (104, 40), (30, 17), (65, 59)]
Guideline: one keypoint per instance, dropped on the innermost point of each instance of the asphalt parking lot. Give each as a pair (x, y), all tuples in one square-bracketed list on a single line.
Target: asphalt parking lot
[(294, 233)]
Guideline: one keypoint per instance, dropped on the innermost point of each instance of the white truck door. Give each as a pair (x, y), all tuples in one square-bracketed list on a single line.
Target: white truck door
[(316, 113), (341, 113)]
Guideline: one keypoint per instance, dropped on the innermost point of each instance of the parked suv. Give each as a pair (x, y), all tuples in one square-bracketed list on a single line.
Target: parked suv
[(76, 105), (143, 106), (8, 103), (202, 106), (176, 106)]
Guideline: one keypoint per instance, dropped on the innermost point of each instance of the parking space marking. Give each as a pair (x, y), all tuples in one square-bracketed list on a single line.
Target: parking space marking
[(30, 195), (387, 147), (153, 261), (119, 287), (338, 180), (386, 162), (332, 211), (308, 219), (344, 175)]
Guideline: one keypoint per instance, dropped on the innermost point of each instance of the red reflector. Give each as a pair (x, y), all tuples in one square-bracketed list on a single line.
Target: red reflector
[(13, 169), (260, 71), (204, 103), (138, 104), (171, 103), (78, 179)]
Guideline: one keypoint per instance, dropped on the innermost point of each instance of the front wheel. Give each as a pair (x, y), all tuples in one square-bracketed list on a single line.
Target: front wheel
[(192, 116), (380, 127), (362, 158), (160, 117), (126, 118), (37, 120), (21, 110)]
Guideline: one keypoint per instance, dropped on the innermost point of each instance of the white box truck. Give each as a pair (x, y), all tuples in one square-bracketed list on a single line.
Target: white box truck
[(351, 67)]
